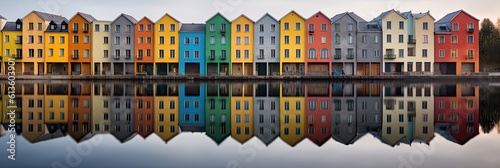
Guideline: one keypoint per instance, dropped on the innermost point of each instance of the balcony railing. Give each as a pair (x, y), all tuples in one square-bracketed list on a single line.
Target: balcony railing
[(19, 41), (470, 30), (75, 30), (350, 56), (223, 57), (337, 56), (74, 56), (412, 41), (390, 56), (311, 31), (139, 57), (469, 57)]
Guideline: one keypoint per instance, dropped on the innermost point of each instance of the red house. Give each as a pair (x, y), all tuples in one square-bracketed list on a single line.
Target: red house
[(144, 46), (456, 44), (79, 111), (318, 112), (144, 110), (318, 45), (456, 112)]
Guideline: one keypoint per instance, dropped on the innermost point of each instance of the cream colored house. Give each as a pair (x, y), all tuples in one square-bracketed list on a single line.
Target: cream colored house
[(101, 48)]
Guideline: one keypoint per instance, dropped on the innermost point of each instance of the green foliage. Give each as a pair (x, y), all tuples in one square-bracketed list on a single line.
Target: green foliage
[(489, 42)]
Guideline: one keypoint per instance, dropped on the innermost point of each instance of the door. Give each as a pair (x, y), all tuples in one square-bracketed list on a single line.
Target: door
[(467, 68), (261, 68), (40, 68), (349, 69)]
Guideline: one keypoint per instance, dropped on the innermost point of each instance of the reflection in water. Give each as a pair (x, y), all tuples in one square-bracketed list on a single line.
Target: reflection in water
[(292, 111)]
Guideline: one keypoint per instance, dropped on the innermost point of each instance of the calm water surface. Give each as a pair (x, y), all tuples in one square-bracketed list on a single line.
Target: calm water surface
[(266, 124)]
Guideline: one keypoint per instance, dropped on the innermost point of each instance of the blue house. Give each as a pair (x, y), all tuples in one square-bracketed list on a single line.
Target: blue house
[(192, 107), (192, 49)]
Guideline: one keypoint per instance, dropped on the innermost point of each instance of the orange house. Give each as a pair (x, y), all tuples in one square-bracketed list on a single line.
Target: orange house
[(144, 46), (318, 45), (456, 40), (144, 110), (80, 44), (318, 112)]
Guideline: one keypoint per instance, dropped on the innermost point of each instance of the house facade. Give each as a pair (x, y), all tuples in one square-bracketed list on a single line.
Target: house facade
[(292, 113), (101, 48), (218, 111), (218, 46), (266, 111), (166, 111), (80, 44), (292, 44), (122, 47), (369, 49), (318, 112), (192, 48), (56, 49), (192, 107), (242, 115), (267, 46), (318, 45), (144, 47), (12, 48), (242, 38), (166, 46)]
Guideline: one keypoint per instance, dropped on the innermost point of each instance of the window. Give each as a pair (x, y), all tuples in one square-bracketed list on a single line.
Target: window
[(117, 28), (376, 39), (238, 40), (223, 40), (364, 39), (401, 25), (286, 26), (389, 25), (186, 54), (336, 26), (324, 53), (364, 53), (425, 39), (247, 27), (454, 53), (212, 27), (297, 39), (261, 28), (297, 26), (273, 27), (287, 53), (172, 39), (129, 28), (287, 40), (312, 53), (455, 27), (401, 39), (51, 52), (425, 26), (196, 40), (389, 38), (106, 28), (323, 27), (106, 40), (337, 39), (470, 39), (172, 53), (441, 53), (454, 39), (311, 39), (297, 53), (238, 28), (350, 38), (261, 40), (349, 27), (238, 54), (86, 39), (401, 53), (323, 40), (61, 40), (424, 53), (247, 40), (273, 53), (172, 27), (212, 40), (424, 104)]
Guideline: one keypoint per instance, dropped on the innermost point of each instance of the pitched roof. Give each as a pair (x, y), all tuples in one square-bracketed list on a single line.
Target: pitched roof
[(368, 27), (1, 17), (166, 14), (452, 15), (420, 15), (318, 13), (243, 15), (51, 17), (11, 26), (268, 15), (87, 17), (406, 14), (146, 18), (192, 27), (128, 17), (384, 14), (293, 12), (57, 28), (218, 13), (351, 14)]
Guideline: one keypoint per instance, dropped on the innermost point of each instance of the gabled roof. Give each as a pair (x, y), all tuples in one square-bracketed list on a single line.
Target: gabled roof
[(420, 15), (244, 16), (192, 27), (268, 15), (351, 14), (87, 17), (449, 17), (384, 14), (128, 17), (58, 27), (1, 17), (146, 18), (294, 13), (218, 13), (406, 14), (50, 17), (318, 13), (11, 26), (166, 14)]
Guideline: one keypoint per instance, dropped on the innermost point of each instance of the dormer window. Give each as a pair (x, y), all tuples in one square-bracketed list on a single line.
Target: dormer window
[(52, 27), (18, 26), (63, 27)]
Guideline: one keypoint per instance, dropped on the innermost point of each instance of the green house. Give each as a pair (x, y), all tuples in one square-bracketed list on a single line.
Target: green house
[(218, 46)]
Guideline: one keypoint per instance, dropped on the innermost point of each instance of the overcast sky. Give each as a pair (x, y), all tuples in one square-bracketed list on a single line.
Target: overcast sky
[(188, 11)]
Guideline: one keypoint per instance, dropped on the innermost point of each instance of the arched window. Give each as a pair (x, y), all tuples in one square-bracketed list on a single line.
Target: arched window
[(312, 53), (324, 53)]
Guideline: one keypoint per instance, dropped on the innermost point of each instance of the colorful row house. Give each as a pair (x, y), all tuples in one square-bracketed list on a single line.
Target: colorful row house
[(393, 43)]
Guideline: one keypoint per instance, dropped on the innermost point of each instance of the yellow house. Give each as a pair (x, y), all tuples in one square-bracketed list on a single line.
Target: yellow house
[(5, 104), (395, 116), (166, 46), (242, 46), (33, 111), (34, 26), (56, 49), (101, 108), (242, 112), (56, 103), (3, 21), (166, 111), (12, 37), (292, 44), (292, 113)]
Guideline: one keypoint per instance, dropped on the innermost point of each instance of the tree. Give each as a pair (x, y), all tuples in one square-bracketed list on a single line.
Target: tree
[(489, 42)]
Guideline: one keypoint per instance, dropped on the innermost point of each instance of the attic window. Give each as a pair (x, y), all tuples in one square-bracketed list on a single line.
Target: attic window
[(52, 27), (63, 27), (442, 27), (18, 26)]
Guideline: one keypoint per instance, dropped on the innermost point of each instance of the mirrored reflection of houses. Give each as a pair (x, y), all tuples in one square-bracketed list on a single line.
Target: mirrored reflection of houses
[(101, 108), (122, 111), (292, 112), (242, 115), (457, 112), (266, 111), (407, 114), (218, 111), (32, 106), (79, 111), (368, 108), (166, 111), (318, 112), (56, 109), (344, 124), (192, 107), (16, 106), (143, 109)]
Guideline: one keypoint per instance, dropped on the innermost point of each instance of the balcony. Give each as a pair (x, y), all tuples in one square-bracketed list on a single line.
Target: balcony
[(223, 57), (19, 41), (412, 41), (311, 31), (337, 56), (350, 56), (211, 57), (469, 56), (223, 31), (75, 30), (470, 30), (74, 56), (116, 57), (390, 56), (139, 57)]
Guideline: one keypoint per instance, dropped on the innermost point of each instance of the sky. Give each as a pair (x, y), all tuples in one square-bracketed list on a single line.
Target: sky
[(198, 11)]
